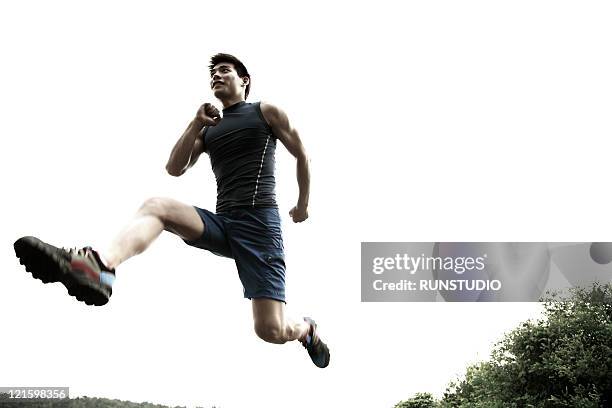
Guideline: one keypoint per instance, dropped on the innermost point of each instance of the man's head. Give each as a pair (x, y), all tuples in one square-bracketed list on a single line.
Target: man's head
[(228, 76)]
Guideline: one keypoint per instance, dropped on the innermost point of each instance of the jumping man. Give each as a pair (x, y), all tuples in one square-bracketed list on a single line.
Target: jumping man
[(246, 225)]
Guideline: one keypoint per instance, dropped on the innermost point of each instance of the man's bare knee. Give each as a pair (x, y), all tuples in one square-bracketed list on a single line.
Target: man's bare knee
[(176, 217), (270, 332), (155, 206)]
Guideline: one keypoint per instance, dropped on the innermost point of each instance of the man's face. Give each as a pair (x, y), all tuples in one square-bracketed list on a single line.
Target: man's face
[(225, 82)]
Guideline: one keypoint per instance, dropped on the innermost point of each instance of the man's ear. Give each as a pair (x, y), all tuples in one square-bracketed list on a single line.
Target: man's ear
[(245, 81)]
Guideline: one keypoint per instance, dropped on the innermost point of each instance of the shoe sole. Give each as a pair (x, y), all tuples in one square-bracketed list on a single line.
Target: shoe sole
[(43, 261), (84, 289)]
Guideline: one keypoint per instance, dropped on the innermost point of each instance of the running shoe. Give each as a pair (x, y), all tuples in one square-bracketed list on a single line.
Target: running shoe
[(317, 350), (78, 270)]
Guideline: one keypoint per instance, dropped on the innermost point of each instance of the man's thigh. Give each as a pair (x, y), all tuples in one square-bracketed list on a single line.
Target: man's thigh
[(181, 219), (213, 236)]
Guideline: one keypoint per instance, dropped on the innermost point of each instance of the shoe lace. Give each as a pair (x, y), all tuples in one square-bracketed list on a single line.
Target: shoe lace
[(77, 251)]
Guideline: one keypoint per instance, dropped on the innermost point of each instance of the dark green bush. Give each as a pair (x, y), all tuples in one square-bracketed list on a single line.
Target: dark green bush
[(563, 360)]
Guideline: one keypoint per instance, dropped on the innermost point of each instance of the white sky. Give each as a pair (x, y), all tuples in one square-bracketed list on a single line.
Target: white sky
[(429, 121)]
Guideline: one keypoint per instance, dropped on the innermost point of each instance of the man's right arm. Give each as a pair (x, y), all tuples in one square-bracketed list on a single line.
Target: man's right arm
[(186, 150), (190, 145)]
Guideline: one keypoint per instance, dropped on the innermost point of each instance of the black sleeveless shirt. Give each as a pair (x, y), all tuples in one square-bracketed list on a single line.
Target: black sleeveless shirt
[(241, 149)]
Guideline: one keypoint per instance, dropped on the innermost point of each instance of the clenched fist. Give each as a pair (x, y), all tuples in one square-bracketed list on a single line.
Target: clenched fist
[(208, 115), (298, 214)]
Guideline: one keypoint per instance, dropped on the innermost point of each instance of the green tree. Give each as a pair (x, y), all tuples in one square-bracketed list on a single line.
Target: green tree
[(420, 400), (564, 360)]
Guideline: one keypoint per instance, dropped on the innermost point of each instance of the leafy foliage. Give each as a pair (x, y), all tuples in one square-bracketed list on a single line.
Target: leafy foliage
[(420, 400), (564, 360)]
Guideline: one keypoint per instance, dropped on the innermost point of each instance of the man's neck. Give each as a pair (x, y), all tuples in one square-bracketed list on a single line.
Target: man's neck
[(232, 101)]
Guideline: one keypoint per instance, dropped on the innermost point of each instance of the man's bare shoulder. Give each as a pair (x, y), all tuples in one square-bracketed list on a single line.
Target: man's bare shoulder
[(272, 113)]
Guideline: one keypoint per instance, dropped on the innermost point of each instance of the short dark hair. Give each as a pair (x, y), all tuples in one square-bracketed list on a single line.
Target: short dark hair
[(240, 68)]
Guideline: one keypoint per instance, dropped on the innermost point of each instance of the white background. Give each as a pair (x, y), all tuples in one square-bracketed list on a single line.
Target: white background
[(430, 121)]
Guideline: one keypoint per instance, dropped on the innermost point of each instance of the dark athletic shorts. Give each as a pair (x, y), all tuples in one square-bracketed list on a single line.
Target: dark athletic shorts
[(252, 237)]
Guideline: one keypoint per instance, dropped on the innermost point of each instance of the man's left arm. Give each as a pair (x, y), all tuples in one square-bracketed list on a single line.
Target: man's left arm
[(288, 135)]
